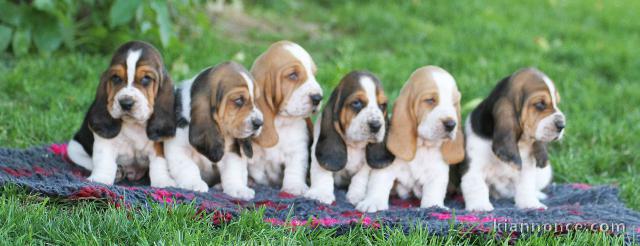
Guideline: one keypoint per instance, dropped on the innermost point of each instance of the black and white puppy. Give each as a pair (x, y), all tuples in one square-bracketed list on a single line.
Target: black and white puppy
[(507, 136), (132, 110), (218, 116), (349, 138)]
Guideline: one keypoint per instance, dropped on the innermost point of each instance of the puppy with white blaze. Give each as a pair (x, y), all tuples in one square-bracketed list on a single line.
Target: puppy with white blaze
[(289, 95), (507, 137), (349, 138), (132, 112), (425, 136), (217, 117)]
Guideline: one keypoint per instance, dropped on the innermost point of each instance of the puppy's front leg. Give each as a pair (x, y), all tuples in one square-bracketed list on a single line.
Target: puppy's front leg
[(181, 167), (159, 173), (321, 184), (378, 190), (358, 186), (434, 188), (295, 173), (475, 190), (234, 176), (526, 188), (104, 161)]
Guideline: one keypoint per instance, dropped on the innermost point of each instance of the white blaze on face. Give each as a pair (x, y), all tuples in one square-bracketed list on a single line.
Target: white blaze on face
[(431, 127), (249, 82), (552, 91), (299, 103), (132, 60), (255, 113), (359, 128), (546, 130)]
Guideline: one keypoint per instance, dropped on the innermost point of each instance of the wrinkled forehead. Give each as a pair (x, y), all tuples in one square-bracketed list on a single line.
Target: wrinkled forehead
[(362, 84), (233, 77), (433, 81), (137, 55), (283, 53), (533, 82)]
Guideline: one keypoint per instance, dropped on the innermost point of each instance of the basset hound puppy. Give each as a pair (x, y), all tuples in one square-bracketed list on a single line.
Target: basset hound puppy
[(133, 110), (425, 136), (507, 137), (217, 117), (349, 138), (290, 94)]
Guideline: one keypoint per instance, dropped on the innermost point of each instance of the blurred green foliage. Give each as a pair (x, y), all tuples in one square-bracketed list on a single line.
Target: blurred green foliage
[(91, 25)]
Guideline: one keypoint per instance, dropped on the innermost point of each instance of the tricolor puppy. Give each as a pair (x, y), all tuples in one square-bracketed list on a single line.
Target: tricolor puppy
[(217, 117), (507, 136), (133, 108), (349, 138), (289, 95), (425, 136)]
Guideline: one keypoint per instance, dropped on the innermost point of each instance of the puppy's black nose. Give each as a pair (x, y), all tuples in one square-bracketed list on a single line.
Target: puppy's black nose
[(257, 123), (374, 126), (126, 103), (559, 125), (316, 99), (449, 125)]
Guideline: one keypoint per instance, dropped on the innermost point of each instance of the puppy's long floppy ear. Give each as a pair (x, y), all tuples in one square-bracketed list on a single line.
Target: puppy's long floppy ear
[(506, 129), (540, 153), (100, 121), (204, 132), (377, 154), (162, 123), (331, 150), (453, 150), (267, 102), (403, 131)]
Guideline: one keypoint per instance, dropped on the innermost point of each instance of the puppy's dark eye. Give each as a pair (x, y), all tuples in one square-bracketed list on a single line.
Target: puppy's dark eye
[(357, 105), (540, 106), (116, 80), (146, 80), (293, 76), (430, 101), (383, 106), (239, 102)]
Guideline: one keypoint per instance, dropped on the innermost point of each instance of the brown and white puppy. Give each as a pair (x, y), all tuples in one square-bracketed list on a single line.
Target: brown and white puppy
[(218, 115), (133, 108), (507, 136), (425, 136), (349, 138), (290, 94)]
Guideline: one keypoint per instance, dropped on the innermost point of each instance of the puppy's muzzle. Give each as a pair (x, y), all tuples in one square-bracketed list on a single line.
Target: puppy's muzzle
[(449, 125), (316, 99), (256, 124), (560, 125), (126, 103), (374, 126)]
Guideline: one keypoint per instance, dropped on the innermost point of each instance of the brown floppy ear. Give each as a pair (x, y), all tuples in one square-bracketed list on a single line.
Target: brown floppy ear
[(540, 153), (403, 131), (506, 131), (331, 150), (204, 132), (453, 150), (269, 88), (162, 123), (100, 121), (377, 154)]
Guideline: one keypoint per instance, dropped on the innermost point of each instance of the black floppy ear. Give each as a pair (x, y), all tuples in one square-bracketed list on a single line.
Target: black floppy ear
[(506, 128), (162, 123), (99, 119), (204, 132), (541, 154), (331, 150), (243, 147), (377, 154)]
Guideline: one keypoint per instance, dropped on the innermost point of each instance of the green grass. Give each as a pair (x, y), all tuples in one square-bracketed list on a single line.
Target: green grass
[(589, 48)]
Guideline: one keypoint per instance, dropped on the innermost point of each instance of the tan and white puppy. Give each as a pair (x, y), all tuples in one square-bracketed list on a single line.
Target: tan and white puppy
[(133, 108), (349, 138), (218, 116), (507, 136), (290, 94), (425, 136)]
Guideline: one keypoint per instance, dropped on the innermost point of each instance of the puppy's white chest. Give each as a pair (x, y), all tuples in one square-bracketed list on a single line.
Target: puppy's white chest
[(132, 145), (293, 138)]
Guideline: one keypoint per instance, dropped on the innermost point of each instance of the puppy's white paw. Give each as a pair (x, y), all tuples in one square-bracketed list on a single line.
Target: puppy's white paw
[(193, 184), (541, 195), (163, 183), (240, 192), (322, 196), (530, 204), (480, 207), (104, 179), (296, 190), (372, 205), (355, 196)]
